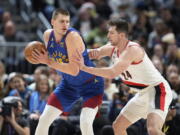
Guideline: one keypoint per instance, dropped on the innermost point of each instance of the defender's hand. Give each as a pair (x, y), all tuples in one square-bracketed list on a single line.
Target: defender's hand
[(93, 53)]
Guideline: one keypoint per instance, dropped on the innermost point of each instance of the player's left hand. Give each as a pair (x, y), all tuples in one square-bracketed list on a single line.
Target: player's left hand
[(41, 57), (79, 59)]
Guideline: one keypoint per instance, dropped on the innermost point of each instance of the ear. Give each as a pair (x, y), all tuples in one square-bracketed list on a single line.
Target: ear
[(122, 34)]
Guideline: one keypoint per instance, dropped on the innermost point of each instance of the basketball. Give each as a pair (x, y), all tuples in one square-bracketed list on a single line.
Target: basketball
[(30, 47)]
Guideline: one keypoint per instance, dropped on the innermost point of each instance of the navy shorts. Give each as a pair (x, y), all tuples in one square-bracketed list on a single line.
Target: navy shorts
[(65, 95)]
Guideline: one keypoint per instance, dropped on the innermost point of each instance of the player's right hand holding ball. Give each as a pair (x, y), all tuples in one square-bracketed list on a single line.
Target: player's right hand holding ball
[(41, 57)]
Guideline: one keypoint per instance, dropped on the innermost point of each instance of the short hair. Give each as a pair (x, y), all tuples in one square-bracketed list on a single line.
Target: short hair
[(121, 25), (60, 11)]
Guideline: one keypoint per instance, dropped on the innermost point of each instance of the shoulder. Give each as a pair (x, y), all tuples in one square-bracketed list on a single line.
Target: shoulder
[(135, 51), (47, 33), (73, 35), (133, 46)]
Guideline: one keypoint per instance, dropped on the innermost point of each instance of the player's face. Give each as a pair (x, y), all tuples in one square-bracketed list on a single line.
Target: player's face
[(113, 36), (61, 24)]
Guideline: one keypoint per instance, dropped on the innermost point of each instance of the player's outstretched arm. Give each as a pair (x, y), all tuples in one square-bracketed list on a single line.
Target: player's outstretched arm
[(100, 52), (131, 54)]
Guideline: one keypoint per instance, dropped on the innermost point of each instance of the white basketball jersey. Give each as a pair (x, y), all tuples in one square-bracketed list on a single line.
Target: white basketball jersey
[(139, 75)]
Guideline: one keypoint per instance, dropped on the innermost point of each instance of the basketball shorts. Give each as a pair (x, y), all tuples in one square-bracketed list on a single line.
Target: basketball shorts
[(153, 99), (65, 95)]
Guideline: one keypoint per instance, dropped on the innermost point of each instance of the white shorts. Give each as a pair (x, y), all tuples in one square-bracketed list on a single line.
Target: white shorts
[(154, 99)]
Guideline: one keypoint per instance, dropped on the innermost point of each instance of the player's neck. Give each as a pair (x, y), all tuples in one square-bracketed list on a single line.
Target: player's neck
[(58, 36), (122, 44)]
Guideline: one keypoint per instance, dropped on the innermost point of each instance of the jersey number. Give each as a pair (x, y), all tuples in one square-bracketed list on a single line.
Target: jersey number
[(126, 75)]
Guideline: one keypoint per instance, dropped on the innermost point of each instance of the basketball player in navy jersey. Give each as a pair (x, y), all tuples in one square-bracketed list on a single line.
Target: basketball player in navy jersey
[(132, 64), (62, 43)]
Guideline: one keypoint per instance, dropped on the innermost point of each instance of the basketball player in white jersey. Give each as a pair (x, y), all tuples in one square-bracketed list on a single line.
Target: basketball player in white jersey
[(132, 64)]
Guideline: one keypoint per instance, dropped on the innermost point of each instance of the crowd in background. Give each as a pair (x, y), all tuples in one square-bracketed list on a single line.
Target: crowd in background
[(154, 24)]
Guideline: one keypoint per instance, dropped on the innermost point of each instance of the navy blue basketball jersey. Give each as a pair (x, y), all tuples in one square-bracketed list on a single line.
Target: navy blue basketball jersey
[(58, 52)]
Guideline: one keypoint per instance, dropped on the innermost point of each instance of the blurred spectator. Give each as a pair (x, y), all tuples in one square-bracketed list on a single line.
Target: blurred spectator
[(174, 81), (172, 68), (39, 97), (14, 124), (21, 89), (110, 89), (160, 29), (118, 102), (158, 64), (98, 34), (10, 84), (172, 123), (172, 52), (102, 8), (6, 16), (54, 77), (37, 72), (142, 26), (10, 33), (166, 15), (124, 9), (74, 6), (158, 52), (85, 20), (175, 10)]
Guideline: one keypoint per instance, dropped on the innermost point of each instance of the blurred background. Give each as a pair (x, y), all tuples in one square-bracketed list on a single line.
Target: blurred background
[(155, 24)]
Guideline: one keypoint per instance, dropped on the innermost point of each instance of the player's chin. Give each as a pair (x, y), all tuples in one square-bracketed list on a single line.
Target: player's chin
[(64, 32), (111, 42)]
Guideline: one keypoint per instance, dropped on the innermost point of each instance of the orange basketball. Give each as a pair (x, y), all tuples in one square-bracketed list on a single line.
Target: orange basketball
[(30, 47)]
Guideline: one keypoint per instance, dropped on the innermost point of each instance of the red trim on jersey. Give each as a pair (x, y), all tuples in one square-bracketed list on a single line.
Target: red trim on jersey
[(112, 51), (93, 101), (162, 96), (134, 63), (135, 84), (53, 100)]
